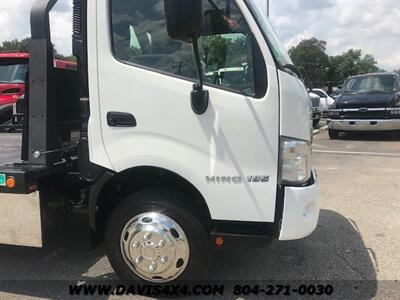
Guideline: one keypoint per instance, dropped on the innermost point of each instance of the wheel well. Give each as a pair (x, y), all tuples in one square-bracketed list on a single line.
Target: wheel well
[(128, 182)]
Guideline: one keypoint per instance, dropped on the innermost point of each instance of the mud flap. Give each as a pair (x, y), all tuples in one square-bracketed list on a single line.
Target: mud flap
[(20, 220)]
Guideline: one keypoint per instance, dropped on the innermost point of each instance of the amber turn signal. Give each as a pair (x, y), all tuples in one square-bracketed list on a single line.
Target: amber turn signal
[(11, 183)]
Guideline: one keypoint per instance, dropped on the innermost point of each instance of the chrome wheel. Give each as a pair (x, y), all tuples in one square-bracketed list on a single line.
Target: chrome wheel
[(155, 247)]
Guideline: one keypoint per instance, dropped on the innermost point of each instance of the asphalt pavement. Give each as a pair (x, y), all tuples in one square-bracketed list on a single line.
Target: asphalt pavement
[(355, 246)]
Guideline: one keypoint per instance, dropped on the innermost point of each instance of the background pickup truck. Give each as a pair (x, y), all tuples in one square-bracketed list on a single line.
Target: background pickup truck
[(369, 102)]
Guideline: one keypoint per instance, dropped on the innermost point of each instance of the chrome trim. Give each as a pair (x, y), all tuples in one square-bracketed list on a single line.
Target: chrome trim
[(364, 125), (155, 247), (363, 109)]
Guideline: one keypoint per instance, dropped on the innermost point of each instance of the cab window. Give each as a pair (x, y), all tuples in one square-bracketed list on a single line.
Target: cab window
[(139, 37)]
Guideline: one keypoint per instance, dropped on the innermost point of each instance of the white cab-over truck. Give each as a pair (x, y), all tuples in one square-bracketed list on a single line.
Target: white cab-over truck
[(184, 129)]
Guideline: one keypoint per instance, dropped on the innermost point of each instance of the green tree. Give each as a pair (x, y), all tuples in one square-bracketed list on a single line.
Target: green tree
[(367, 64), (310, 55), (214, 48), (240, 50), (16, 45), (351, 63), (23, 46), (62, 57)]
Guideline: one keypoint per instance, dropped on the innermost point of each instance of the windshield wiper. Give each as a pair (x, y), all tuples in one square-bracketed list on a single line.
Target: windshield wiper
[(374, 91), (293, 69), (212, 3)]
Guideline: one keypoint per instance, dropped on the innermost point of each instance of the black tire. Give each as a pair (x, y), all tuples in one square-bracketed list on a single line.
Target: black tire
[(315, 123), (333, 134), (171, 204), (6, 112)]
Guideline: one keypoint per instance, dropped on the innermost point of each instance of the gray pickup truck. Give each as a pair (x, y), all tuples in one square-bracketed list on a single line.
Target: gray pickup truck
[(369, 102)]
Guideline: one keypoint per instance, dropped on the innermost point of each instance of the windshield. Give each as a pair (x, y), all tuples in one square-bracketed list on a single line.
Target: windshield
[(278, 50), (319, 93), (13, 73), (370, 84)]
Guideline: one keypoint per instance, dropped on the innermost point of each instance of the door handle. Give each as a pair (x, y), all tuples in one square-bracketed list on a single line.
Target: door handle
[(121, 119)]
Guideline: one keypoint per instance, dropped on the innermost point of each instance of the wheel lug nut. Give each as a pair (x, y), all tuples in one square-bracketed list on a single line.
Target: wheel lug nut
[(152, 268), (161, 243), (138, 260), (147, 236), (164, 259), (135, 244)]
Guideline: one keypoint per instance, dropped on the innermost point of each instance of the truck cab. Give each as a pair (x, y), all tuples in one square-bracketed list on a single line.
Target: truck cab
[(13, 68), (168, 163)]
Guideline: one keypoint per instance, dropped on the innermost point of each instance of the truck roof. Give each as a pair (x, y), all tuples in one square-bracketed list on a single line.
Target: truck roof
[(374, 74), (14, 55)]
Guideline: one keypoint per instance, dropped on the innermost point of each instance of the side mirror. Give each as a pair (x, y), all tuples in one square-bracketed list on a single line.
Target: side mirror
[(184, 19), (185, 23)]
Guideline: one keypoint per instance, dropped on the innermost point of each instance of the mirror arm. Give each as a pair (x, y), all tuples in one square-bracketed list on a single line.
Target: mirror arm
[(198, 62), (199, 97)]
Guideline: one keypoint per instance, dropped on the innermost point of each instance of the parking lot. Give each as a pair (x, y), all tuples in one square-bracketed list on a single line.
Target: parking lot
[(356, 244)]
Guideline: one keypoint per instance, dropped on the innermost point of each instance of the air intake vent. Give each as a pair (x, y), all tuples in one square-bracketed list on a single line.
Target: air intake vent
[(12, 91), (77, 18)]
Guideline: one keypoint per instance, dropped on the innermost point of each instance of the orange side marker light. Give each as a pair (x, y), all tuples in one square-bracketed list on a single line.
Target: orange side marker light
[(11, 183)]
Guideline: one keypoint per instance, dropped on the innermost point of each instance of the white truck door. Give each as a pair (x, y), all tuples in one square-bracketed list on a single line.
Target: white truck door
[(229, 153)]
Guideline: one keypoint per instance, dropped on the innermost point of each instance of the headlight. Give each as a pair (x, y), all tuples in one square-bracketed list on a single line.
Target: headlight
[(395, 101), (334, 112), (295, 161)]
